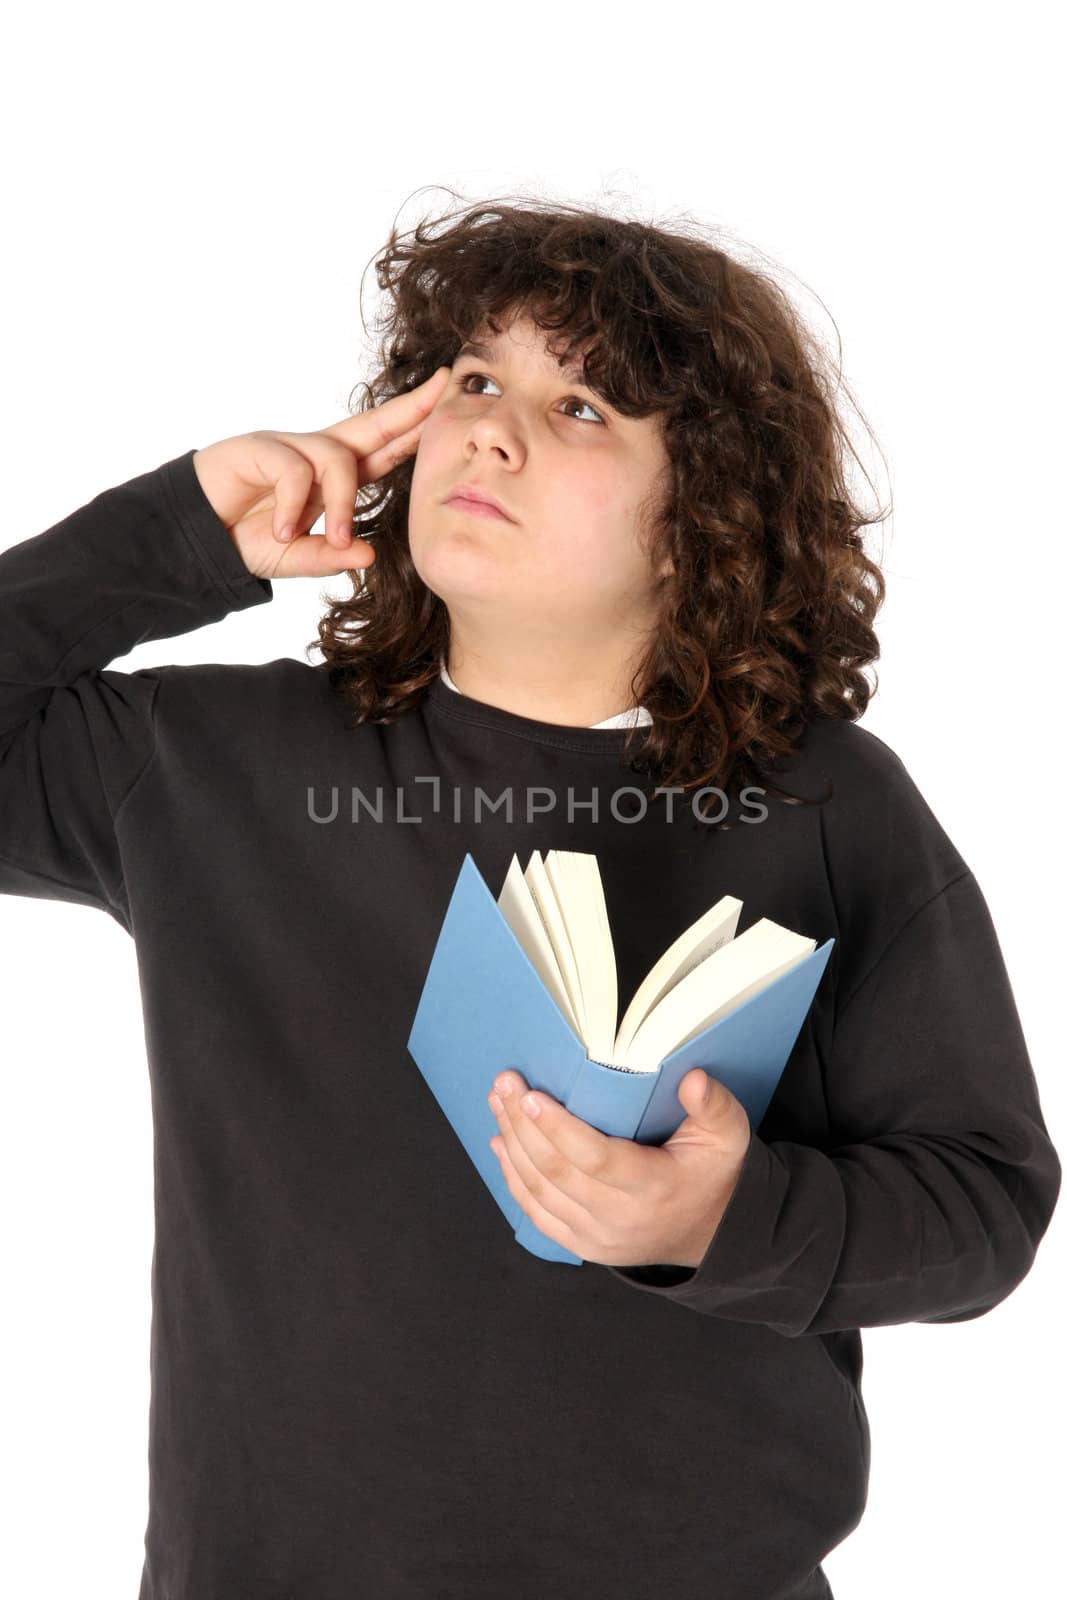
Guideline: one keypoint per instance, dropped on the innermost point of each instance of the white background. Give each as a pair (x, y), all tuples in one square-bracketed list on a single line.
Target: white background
[(191, 199)]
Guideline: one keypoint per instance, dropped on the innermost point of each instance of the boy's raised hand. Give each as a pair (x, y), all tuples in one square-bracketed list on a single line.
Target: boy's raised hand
[(261, 483)]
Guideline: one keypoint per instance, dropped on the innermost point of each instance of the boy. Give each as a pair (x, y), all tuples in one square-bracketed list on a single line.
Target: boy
[(360, 1384)]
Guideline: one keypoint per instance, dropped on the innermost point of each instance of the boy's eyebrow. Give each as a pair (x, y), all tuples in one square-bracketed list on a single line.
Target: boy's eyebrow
[(484, 352)]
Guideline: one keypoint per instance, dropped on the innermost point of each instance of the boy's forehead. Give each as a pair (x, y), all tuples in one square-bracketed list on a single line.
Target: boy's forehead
[(483, 343)]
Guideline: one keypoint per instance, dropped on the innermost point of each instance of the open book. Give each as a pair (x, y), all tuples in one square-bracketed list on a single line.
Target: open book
[(557, 911), (530, 982)]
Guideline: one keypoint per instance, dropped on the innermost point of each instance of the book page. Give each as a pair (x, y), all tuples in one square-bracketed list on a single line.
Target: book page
[(701, 939), (551, 914), (720, 984), (575, 876), (519, 909)]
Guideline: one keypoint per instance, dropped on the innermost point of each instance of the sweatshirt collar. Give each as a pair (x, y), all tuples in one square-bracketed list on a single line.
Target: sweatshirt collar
[(635, 716)]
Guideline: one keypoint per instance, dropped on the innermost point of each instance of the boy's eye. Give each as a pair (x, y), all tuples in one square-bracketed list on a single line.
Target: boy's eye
[(572, 399)]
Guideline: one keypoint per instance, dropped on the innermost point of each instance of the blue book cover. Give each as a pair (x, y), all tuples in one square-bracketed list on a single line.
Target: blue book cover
[(484, 1007)]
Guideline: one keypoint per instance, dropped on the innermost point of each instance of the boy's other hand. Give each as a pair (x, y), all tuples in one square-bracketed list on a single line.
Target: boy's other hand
[(615, 1201)]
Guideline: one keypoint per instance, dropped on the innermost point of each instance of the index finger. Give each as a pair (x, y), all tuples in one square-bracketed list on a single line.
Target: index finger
[(372, 430)]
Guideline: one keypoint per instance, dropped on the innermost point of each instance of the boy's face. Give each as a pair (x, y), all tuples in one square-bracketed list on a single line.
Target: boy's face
[(571, 474)]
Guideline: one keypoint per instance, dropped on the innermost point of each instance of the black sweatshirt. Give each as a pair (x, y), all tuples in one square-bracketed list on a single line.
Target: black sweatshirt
[(362, 1387)]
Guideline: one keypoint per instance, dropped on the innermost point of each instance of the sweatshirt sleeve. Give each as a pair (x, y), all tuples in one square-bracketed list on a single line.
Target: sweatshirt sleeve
[(148, 559), (941, 1179)]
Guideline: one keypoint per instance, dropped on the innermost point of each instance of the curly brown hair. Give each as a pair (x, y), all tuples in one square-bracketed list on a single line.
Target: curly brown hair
[(767, 618)]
